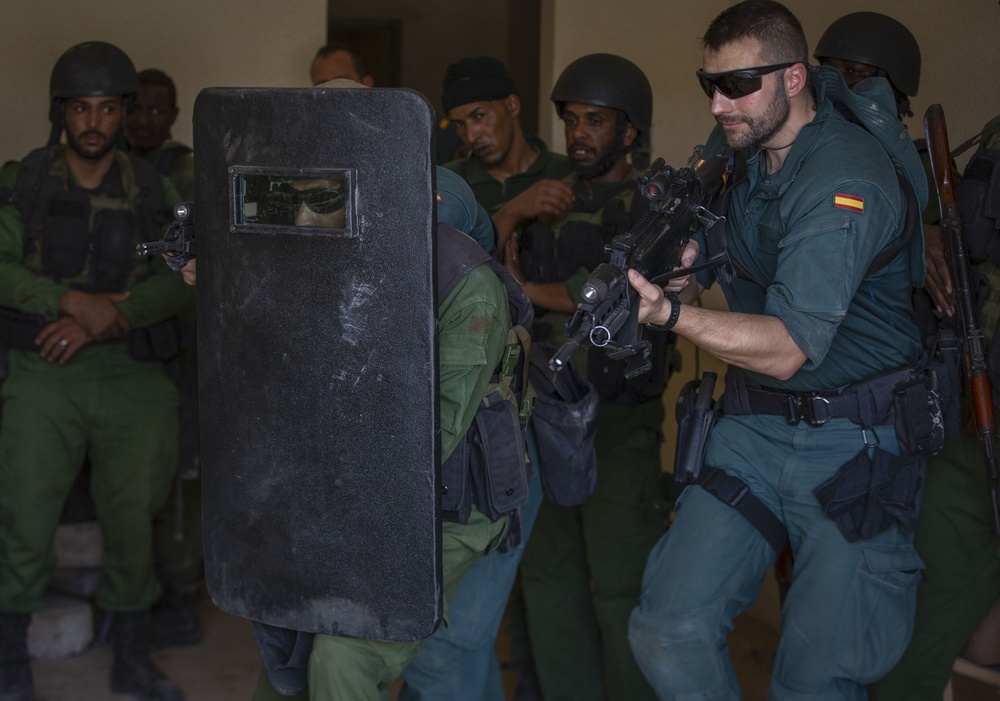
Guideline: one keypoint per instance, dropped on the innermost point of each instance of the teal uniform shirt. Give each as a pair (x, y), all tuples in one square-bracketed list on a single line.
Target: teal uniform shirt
[(812, 246), (492, 193), (808, 233)]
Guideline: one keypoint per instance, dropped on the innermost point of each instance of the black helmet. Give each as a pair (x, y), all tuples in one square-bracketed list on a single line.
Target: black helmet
[(607, 80), (878, 40), (92, 69)]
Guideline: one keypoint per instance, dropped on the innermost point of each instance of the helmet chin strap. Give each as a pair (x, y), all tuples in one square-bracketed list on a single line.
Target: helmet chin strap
[(55, 117)]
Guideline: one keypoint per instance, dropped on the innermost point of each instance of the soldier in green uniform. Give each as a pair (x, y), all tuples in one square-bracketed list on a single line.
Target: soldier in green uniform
[(955, 528), (177, 527), (148, 131), (81, 310), (516, 179), (511, 172), (583, 565)]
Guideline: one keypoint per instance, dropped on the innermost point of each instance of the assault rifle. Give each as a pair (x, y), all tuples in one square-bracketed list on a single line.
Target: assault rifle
[(608, 317), (971, 334), (178, 243)]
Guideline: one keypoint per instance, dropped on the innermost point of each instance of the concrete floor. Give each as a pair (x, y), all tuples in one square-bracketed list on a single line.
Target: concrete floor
[(224, 667)]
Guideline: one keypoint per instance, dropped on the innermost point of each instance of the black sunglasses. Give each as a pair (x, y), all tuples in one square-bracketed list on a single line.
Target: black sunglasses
[(322, 200), (738, 83)]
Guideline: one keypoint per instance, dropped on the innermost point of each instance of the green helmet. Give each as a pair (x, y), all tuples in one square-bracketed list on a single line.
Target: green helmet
[(878, 40), (611, 81)]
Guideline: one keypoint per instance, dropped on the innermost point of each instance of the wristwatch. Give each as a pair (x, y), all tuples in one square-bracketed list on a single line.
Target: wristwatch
[(675, 312)]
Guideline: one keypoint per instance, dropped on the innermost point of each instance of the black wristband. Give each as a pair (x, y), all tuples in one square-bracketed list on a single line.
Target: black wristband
[(675, 313)]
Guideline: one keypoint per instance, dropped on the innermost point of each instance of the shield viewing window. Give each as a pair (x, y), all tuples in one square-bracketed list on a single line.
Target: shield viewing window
[(276, 200)]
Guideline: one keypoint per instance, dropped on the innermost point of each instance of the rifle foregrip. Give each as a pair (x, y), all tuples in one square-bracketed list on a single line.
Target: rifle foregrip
[(982, 403)]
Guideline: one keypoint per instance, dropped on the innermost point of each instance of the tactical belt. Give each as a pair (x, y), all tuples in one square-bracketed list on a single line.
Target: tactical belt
[(866, 403)]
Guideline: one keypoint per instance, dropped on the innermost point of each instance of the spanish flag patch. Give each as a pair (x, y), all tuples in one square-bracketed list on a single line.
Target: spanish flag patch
[(855, 204)]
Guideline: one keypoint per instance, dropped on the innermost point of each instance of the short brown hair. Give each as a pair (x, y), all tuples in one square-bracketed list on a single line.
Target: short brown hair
[(775, 28)]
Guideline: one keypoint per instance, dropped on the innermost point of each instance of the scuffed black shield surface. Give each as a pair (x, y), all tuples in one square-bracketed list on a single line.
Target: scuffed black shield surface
[(318, 358)]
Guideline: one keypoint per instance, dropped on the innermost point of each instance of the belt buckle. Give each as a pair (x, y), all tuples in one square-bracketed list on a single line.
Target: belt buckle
[(803, 408)]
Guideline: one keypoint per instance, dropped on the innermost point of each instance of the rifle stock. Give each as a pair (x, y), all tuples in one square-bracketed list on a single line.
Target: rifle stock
[(971, 334)]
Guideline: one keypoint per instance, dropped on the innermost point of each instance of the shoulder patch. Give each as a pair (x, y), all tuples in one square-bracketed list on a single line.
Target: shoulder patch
[(855, 204)]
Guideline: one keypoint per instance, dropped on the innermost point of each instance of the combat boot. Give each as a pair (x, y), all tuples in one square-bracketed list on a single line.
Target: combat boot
[(133, 671), (16, 683), (175, 619)]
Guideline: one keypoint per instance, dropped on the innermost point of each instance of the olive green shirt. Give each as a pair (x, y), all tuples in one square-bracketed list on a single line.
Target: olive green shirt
[(492, 193), (473, 321), (179, 169), (161, 295)]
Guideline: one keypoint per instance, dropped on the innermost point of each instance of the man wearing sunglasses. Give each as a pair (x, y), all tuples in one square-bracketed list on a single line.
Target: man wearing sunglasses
[(819, 305)]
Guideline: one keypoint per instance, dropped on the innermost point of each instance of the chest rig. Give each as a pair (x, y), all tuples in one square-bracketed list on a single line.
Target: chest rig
[(86, 238)]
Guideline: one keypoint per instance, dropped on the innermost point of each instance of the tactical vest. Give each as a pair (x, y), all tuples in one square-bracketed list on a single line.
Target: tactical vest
[(169, 153), (87, 239), (978, 200), (582, 240), (489, 467)]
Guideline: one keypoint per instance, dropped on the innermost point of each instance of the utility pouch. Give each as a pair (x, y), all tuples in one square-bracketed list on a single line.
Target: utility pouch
[(868, 493), (919, 409), (157, 342), (19, 330), (499, 477), (697, 413), (564, 420), (115, 247), (537, 253), (978, 200), (581, 245), (64, 237)]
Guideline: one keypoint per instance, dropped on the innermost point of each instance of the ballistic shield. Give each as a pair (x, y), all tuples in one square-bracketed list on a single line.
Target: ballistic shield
[(318, 359)]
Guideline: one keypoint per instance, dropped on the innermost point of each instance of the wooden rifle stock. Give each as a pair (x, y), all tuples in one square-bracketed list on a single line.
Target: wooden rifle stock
[(973, 339)]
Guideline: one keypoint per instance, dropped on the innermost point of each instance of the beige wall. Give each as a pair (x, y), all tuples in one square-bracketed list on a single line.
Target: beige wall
[(958, 40), (199, 43), (435, 34)]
